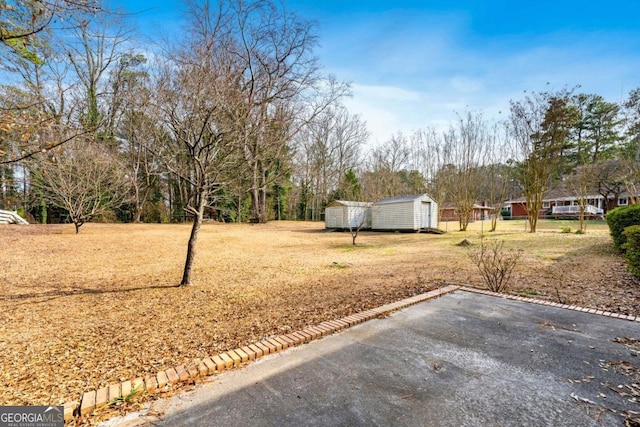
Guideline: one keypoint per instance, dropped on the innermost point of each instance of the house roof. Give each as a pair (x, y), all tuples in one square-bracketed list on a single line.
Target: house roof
[(451, 205), (558, 194), (401, 199)]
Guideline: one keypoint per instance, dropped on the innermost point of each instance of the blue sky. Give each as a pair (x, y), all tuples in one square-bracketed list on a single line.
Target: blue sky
[(414, 64)]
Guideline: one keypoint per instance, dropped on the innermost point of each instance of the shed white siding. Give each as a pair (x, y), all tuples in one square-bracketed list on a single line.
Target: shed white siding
[(344, 215), (334, 216), (10, 217), (405, 213)]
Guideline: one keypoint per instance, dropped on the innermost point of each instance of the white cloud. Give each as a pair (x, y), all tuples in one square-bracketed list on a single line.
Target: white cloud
[(389, 109), (412, 90), (385, 93)]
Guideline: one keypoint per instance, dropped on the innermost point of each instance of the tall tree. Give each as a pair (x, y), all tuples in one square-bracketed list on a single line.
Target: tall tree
[(432, 158), (327, 147), (597, 129), (97, 48), (539, 128), (132, 124), (496, 176), (581, 183), (386, 161), (277, 81), (468, 142), (192, 100)]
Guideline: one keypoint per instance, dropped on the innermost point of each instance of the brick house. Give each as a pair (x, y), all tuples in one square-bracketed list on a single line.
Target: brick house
[(559, 203), (448, 212)]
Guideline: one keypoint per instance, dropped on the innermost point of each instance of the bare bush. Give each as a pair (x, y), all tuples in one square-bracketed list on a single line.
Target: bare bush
[(495, 263)]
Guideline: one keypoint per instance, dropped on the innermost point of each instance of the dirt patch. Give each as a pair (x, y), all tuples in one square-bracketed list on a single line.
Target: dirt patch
[(84, 311)]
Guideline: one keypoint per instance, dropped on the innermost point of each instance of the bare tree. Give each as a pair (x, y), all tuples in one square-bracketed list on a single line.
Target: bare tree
[(496, 176), (382, 178), (277, 84), (31, 36), (33, 113), (539, 127), (136, 132), (192, 100), (468, 143), (265, 43), (609, 180), (431, 156), (361, 220), (83, 178), (97, 48), (582, 183), (327, 148)]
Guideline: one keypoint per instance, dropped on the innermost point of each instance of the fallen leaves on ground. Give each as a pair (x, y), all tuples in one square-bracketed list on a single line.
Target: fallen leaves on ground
[(84, 311)]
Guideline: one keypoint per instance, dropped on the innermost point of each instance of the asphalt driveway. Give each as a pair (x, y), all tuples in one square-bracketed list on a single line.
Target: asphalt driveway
[(463, 359)]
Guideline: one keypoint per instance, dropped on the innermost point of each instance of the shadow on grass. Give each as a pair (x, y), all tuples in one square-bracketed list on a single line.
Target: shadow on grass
[(40, 297)]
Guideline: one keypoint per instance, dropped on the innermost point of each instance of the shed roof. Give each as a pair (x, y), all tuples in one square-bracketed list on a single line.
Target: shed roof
[(400, 199), (349, 204)]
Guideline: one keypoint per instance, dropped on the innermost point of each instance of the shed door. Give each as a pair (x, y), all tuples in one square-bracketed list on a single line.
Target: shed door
[(425, 214)]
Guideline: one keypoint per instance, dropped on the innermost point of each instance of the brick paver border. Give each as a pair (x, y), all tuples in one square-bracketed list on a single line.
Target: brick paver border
[(551, 304), (95, 399)]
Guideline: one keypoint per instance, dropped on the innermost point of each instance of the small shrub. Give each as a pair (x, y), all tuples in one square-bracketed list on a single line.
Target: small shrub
[(495, 264), (631, 248), (579, 231), (620, 218), (565, 229)]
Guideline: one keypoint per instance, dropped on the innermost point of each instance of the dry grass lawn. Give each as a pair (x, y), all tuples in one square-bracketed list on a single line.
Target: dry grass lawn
[(84, 311)]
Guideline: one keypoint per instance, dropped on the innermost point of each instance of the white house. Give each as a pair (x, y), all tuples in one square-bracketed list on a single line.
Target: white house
[(342, 215), (405, 213)]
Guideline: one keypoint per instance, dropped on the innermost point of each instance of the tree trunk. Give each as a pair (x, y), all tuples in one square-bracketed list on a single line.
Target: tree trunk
[(581, 216), (533, 222), (43, 211), (534, 203), (191, 246), (137, 214), (259, 205), (464, 215), (138, 206), (494, 223), (464, 220)]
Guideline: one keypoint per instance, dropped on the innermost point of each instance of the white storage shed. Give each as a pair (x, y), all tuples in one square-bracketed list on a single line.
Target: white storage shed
[(405, 213), (343, 214)]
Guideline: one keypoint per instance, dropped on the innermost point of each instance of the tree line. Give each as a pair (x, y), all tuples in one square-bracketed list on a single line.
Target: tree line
[(236, 121)]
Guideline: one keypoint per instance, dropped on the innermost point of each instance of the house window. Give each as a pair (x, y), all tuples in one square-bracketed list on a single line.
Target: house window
[(623, 201), (545, 205)]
